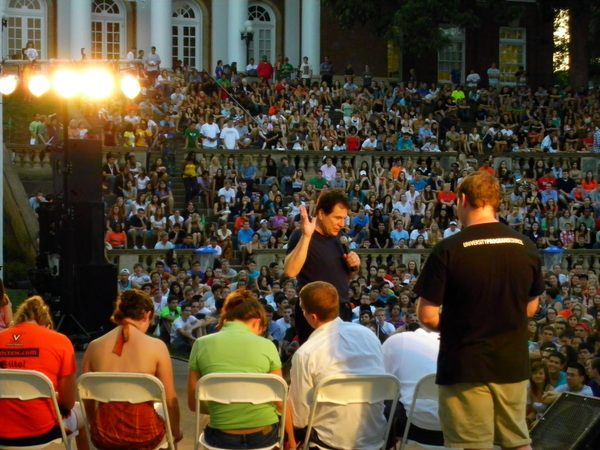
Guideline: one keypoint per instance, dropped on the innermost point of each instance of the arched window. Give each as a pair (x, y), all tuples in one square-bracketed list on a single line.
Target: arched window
[(108, 29), (26, 22), (263, 22), (187, 32)]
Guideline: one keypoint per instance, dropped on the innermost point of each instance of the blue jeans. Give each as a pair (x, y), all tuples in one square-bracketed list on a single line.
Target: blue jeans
[(218, 438)]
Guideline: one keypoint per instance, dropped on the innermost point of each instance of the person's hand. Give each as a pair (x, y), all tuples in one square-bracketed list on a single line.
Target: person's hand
[(353, 260), (307, 225)]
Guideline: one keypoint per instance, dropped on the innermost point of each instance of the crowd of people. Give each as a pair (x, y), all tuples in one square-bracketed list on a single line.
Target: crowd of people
[(411, 204)]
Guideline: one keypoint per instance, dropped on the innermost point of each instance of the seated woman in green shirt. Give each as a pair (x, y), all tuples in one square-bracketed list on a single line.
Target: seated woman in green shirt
[(238, 348)]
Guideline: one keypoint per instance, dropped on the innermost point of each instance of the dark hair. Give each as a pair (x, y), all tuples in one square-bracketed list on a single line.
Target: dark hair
[(534, 368), (242, 305), (327, 201), (559, 355), (131, 304), (577, 367)]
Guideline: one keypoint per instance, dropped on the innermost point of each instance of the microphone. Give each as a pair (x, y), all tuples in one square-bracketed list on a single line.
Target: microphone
[(344, 243)]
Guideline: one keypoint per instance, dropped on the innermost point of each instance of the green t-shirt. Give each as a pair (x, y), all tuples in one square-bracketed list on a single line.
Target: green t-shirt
[(192, 137), (286, 71), (235, 349), (167, 312), (318, 184)]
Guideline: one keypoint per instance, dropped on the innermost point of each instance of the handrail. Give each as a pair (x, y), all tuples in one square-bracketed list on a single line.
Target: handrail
[(126, 258)]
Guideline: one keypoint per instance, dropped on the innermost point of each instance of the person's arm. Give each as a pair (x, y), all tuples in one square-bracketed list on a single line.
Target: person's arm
[(66, 392), (164, 372), (289, 426), (193, 378), (297, 257), (550, 397), (532, 306), (429, 314), (8, 315)]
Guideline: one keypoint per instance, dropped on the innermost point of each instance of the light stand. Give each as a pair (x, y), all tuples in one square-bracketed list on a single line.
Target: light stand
[(247, 34)]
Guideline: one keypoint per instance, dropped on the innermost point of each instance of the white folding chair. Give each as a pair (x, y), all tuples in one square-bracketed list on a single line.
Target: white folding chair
[(426, 389), (134, 388), (352, 389), (228, 388), (31, 385)]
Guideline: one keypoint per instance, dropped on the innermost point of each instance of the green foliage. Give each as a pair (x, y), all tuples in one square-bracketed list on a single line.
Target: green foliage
[(17, 296), (16, 264), (415, 24), (561, 77)]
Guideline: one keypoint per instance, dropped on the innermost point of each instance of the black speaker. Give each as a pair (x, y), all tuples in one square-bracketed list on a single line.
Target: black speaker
[(49, 219), (58, 176), (82, 161), (571, 423), (95, 295), (82, 235)]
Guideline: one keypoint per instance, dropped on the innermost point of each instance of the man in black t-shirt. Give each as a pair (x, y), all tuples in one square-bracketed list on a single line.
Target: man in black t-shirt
[(314, 253), (488, 279)]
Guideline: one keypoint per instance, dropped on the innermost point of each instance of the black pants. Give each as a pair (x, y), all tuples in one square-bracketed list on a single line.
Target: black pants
[(427, 437)]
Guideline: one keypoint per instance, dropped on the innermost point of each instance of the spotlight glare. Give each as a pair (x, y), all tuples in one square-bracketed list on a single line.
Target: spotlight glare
[(130, 86), (97, 83), (8, 84), (67, 83), (39, 85)]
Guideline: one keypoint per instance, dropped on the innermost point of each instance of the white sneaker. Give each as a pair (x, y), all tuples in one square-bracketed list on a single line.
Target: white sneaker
[(135, 247), (144, 247)]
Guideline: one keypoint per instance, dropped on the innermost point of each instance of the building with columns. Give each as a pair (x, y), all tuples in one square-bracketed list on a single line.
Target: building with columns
[(200, 32)]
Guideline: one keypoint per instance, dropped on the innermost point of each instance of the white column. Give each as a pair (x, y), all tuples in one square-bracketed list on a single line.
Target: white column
[(219, 39), (143, 33), (292, 31), (311, 34), (63, 32), (237, 15), (160, 26), (81, 29)]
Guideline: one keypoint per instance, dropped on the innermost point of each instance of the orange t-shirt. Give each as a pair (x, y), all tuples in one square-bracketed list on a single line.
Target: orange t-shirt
[(589, 185), (489, 170), (32, 347), (446, 196), (395, 171)]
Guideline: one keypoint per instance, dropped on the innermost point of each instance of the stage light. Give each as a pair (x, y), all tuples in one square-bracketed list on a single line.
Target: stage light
[(67, 83), (130, 86), (8, 84), (39, 85), (97, 83)]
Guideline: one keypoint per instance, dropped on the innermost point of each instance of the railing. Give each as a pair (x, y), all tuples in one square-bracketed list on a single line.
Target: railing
[(28, 157), (125, 259)]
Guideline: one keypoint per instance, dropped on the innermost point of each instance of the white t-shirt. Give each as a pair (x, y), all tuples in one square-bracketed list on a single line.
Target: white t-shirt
[(410, 356), (230, 136), (229, 194), (178, 324), (448, 232), (210, 131)]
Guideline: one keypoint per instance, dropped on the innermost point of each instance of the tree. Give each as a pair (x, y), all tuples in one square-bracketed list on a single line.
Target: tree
[(414, 24)]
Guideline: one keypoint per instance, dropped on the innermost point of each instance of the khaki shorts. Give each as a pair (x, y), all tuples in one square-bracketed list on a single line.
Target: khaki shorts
[(479, 415)]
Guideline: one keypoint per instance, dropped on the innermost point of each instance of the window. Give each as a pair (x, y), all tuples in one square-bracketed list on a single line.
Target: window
[(108, 30), (453, 55), (512, 53), (26, 22), (263, 22), (394, 56), (186, 34)]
